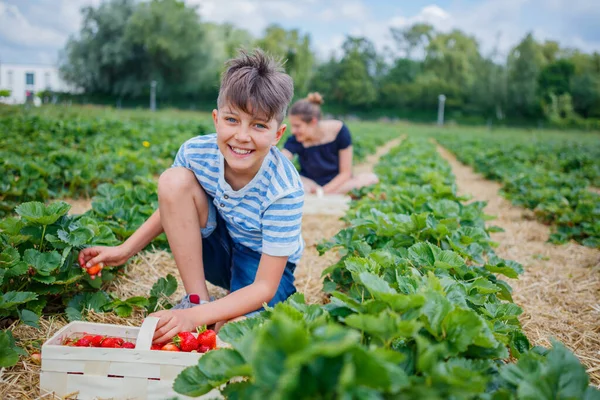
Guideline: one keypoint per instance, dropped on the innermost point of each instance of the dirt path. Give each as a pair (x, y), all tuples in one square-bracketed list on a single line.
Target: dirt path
[(560, 289)]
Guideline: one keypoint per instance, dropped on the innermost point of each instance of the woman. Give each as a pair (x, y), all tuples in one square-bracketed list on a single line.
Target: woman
[(324, 149)]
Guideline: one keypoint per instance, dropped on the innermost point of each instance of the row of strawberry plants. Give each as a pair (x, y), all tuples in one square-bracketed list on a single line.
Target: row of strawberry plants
[(550, 177), (46, 157), (417, 310)]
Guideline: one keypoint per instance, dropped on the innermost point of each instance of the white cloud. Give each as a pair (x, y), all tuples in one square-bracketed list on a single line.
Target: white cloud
[(251, 15), (17, 30)]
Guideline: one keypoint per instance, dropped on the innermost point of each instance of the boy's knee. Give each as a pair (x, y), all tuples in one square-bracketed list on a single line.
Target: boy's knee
[(175, 181)]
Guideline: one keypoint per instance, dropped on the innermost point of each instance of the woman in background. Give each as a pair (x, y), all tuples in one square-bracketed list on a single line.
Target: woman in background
[(324, 149)]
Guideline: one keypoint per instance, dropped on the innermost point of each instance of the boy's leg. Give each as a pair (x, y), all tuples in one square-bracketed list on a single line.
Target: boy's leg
[(357, 181), (243, 273), (184, 207)]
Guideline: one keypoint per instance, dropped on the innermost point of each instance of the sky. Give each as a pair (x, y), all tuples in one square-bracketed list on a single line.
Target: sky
[(34, 31)]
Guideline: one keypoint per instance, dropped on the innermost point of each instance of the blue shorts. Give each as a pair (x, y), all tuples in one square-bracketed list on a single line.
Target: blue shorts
[(233, 266)]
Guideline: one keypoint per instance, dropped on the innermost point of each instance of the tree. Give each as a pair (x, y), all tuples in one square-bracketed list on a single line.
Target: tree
[(101, 56), (412, 38), (524, 64), (358, 70), (585, 91), (555, 78), (453, 58), (169, 41), (123, 45), (295, 49)]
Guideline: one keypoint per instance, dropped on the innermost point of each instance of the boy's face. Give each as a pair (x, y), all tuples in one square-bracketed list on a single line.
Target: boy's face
[(244, 139)]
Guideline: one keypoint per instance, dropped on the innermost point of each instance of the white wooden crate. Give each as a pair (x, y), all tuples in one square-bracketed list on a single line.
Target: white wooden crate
[(101, 373)]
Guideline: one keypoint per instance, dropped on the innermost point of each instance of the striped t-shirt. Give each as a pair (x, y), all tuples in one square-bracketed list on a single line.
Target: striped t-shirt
[(266, 214)]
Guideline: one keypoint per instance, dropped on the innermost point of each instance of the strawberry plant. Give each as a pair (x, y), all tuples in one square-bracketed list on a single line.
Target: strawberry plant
[(38, 259)]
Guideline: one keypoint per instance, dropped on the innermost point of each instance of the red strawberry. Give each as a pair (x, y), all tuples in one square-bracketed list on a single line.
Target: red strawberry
[(207, 337), (97, 340), (112, 342), (203, 349), (170, 347), (85, 341), (128, 345), (186, 341), (156, 346)]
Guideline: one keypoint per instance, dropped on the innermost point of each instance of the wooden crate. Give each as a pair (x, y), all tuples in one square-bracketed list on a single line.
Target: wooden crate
[(100, 373)]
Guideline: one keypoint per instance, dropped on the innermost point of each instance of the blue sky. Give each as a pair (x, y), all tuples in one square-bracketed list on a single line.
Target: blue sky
[(33, 31)]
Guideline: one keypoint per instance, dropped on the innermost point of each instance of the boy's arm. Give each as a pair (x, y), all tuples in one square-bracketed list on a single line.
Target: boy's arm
[(247, 299), (144, 234), (345, 171), (238, 303)]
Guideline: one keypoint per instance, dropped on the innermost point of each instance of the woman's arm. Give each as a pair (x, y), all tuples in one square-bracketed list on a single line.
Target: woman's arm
[(345, 171)]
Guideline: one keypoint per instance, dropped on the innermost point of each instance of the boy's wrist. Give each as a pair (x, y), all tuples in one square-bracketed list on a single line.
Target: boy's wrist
[(127, 249)]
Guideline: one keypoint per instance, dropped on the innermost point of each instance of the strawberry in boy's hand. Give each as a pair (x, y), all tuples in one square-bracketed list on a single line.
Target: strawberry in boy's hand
[(206, 338), (94, 270), (186, 341)]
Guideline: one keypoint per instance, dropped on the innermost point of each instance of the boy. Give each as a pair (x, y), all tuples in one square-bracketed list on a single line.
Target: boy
[(231, 205)]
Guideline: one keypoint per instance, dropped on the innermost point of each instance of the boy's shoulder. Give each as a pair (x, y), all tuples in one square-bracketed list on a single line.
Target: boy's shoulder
[(284, 176), (210, 139)]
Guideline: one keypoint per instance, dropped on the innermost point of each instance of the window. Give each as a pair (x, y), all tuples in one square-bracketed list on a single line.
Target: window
[(47, 79), (29, 78), (10, 78)]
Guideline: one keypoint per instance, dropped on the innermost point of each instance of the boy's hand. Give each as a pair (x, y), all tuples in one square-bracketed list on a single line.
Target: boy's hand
[(103, 256), (171, 323)]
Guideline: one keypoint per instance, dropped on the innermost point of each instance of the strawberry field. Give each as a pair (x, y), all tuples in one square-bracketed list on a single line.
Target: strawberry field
[(420, 303), (553, 176)]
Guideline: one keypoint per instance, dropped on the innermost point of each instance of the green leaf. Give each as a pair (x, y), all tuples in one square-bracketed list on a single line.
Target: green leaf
[(483, 286), (137, 301), (374, 283), (40, 214), (96, 301), (447, 259), (11, 299), (386, 326), (123, 310), (465, 328), (192, 382), (507, 268), (435, 310), (234, 332), (222, 365), (76, 238), (9, 257), (43, 263), (73, 314), (164, 287), (29, 318), (9, 352)]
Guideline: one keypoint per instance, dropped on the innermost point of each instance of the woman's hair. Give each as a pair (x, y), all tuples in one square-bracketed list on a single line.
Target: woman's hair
[(308, 108), (256, 84)]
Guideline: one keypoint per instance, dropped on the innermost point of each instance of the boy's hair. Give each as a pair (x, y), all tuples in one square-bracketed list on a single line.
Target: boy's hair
[(308, 108), (256, 84)]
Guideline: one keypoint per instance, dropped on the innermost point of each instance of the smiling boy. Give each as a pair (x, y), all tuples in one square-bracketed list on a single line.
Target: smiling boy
[(231, 205)]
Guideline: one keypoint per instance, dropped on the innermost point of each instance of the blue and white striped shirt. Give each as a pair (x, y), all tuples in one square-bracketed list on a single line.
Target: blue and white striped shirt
[(266, 214)]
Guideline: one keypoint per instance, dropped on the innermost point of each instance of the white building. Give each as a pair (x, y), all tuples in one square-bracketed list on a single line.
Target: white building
[(25, 80)]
